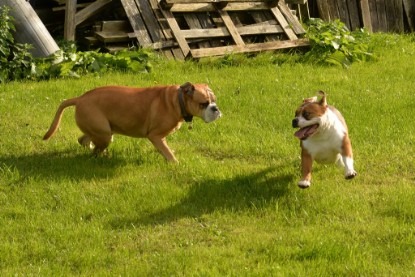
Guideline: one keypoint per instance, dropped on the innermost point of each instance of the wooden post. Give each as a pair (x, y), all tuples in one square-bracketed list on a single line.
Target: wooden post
[(69, 28), (409, 7), (30, 29), (367, 21)]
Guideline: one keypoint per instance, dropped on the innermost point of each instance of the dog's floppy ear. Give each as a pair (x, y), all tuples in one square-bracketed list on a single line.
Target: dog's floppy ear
[(323, 101), (188, 88)]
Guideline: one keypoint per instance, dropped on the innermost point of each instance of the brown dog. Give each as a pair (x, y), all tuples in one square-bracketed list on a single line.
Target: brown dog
[(152, 112)]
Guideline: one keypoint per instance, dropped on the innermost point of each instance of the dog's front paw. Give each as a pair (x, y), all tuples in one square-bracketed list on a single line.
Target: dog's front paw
[(350, 174), (304, 184)]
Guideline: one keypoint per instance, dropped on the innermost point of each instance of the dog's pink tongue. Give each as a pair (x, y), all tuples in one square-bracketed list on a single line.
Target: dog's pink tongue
[(300, 133), (305, 132)]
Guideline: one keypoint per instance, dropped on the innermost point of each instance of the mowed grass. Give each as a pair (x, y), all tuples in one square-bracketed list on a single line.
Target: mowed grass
[(231, 207)]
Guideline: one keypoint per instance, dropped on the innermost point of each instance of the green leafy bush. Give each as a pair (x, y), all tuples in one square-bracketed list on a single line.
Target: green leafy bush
[(68, 62), (17, 63), (333, 43)]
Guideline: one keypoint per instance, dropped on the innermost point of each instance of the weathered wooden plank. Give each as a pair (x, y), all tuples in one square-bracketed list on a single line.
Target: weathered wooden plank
[(381, 16), (158, 45), (346, 11), (208, 1), (115, 25), (209, 7), (409, 7), (206, 22), (176, 32), (202, 7), (231, 27), (355, 22), (151, 22), (265, 17), (304, 12), (260, 28), (333, 9), (284, 24), (90, 10), (193, 22), (109, 36), (342, 12), (69, 27), (254, 29), (136, 22), (169, 52), (323, 10), (394, 15), (298, 2), (373, 15), (266, 46), (291, 19), (366, 16)]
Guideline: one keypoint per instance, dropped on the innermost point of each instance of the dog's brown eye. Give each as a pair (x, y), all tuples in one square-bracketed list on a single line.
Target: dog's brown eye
[(306, 114), (204, 105)]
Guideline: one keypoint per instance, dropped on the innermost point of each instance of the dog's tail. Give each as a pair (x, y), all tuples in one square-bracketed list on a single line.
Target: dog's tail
[(58, 116)]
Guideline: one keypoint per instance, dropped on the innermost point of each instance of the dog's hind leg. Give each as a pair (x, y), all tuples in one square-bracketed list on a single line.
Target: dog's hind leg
[(101, 143), (85, 141), (96, 129)]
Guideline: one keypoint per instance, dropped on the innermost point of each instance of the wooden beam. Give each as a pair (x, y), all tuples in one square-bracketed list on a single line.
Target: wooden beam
[(209, 7), (69, 27), (90, 10), (73, 18), (231, 27), (136, 22), (167, 35), (293, 21), (253, 29), (208, 1), (108, 36), (354, 15), (176, 32), (266, 46), (153, 27), (409, 7), (284, 24)]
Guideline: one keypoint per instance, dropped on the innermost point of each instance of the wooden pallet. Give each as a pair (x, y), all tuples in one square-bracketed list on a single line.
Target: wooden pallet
[(201, 28)]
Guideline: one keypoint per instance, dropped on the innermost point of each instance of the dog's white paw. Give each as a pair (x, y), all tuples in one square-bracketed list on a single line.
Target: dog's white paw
[(304, 184), (350, 174)]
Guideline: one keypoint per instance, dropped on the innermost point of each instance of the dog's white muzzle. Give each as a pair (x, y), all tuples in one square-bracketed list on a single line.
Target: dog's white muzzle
[(211, 113)]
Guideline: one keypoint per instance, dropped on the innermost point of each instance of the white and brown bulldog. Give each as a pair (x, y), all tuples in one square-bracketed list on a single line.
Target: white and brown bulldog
[(152, 112), (324, 137)]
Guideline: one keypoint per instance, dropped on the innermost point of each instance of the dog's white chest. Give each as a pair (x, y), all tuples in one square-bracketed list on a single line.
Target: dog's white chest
[(326, 145), (323, 153)]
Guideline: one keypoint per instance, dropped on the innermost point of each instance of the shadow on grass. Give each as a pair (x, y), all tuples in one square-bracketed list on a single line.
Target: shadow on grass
[(57, 166), (246, 191)]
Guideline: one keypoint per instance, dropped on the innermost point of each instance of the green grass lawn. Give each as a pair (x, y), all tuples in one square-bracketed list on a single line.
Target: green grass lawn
[(231, 206)]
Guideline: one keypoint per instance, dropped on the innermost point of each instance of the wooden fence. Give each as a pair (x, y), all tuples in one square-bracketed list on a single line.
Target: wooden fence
[(375, 15)]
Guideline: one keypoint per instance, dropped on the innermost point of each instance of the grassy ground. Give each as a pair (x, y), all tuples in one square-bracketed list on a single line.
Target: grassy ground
[(232, 206)]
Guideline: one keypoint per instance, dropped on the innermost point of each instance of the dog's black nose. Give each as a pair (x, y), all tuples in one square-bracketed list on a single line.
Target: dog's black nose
[(295, 123)]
